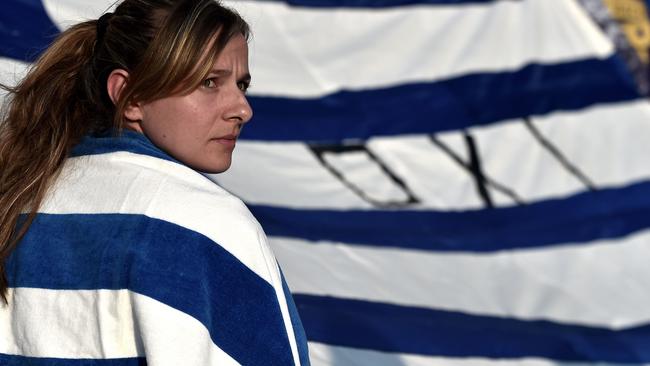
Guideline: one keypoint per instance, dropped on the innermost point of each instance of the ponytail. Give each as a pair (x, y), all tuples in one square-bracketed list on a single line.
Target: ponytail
[(47, 113)]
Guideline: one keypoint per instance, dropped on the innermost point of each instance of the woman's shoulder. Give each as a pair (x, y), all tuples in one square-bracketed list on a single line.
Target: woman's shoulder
[(132, 182), (162, 193)]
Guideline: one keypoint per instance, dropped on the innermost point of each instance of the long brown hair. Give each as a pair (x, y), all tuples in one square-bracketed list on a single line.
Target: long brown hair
[(160, 43)]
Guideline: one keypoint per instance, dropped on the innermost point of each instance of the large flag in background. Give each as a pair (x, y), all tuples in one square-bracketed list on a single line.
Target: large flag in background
[(444, 182)]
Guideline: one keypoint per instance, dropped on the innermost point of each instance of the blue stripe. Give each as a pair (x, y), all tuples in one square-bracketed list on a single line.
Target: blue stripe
[(166, 262), (126, 140), (378, 3), (296, 323), (603, 214), (12, 360), (25, 29), (392, 328), (452, 104)]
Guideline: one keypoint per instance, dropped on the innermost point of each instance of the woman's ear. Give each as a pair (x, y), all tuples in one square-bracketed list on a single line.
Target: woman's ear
[(117, 80)]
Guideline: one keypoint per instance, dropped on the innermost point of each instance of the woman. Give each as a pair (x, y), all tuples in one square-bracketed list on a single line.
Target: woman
[(124, 252)]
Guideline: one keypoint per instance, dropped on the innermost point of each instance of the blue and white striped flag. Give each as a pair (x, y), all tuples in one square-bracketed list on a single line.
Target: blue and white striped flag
[(444, 182)]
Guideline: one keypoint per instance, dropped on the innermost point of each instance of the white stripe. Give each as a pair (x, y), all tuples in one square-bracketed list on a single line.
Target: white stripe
[(11, 71), (101, 324), (306, 52), (317, 51), (65, 13), (607, 143), (327, 355), (173, 338), (601, 284), (69, 324), (292, 177)]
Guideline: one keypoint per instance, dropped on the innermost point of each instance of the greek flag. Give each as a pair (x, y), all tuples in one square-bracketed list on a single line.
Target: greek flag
[(444, 182)]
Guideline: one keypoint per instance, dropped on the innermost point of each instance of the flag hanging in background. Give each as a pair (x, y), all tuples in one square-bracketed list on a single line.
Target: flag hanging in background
[(444, 182)]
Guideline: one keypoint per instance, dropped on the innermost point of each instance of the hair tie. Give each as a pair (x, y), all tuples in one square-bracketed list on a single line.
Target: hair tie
[(102, 24)]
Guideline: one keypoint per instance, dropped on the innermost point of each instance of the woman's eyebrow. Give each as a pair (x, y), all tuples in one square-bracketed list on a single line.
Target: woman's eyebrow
[(226, 72), (221, 72), (246, 77)]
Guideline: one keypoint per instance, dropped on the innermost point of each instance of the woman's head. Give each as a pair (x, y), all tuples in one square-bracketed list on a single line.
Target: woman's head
[(199, 126), (156, 57)]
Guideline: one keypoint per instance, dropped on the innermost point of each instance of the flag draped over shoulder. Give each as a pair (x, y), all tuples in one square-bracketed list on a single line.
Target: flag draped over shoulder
[(444, 182)]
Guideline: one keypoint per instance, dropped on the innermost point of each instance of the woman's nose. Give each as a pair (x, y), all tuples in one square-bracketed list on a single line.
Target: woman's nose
[(239, 109)]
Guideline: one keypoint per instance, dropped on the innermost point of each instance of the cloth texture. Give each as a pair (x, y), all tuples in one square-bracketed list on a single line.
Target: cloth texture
[(136, 259)]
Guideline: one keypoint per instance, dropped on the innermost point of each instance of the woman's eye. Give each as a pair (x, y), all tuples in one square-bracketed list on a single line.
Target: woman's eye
[(209, 83), (243, 85)]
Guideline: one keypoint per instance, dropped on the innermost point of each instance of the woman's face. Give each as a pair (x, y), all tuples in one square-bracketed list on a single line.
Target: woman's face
[(200, 128)]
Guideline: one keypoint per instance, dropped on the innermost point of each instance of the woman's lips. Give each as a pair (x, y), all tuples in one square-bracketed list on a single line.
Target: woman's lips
[(228, 141)]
